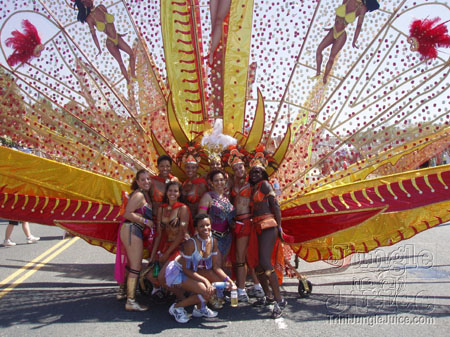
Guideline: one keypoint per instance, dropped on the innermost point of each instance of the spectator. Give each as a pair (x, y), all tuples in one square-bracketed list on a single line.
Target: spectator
[(26, 230)]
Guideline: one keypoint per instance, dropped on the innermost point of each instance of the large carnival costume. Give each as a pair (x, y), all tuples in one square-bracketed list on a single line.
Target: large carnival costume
[(93, 132)]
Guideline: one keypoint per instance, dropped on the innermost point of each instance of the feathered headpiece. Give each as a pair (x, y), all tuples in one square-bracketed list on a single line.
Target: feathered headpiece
[(26, 45), (216, 141), (191, 152), (261, 158), (233, 155), (425, 36)]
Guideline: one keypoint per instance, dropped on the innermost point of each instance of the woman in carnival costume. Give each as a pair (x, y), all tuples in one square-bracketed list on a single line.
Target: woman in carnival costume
[(194, 186), (336, 37), (158, 183), (98, 17), (219, 208), (195, 270), (267, 224), (137, 217), (173, 227), (238, 158)]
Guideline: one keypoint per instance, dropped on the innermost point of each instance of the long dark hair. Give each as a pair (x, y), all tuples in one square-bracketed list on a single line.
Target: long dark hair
[(170, 183), (372, 5), (134, 184), (83, 12)]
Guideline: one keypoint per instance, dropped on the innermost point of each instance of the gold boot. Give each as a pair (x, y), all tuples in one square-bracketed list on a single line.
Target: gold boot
[(122, 292), (131, 304)]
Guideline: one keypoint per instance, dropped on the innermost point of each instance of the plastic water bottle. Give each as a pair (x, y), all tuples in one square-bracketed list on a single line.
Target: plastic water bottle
[(276, 187), (219, 285), (234, 297)]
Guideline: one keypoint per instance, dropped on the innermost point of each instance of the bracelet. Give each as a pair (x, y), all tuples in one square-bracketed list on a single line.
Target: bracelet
[(145, 221), (227, 279)]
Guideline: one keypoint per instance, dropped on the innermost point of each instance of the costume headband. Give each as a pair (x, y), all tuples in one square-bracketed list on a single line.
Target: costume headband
[(235, 155), (261, 158), (191, 153)]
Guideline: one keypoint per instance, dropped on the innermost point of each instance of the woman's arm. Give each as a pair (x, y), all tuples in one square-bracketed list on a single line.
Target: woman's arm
[(136, 201), (359, 26), (202, 189), (204, 203), (158, 236), (184, 220), (90, 20)]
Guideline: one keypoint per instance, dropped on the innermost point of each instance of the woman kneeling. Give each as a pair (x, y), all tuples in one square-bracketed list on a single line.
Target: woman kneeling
[(194, 271)]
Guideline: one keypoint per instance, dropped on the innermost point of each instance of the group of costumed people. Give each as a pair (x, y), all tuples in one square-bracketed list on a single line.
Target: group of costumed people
[(194, 228)]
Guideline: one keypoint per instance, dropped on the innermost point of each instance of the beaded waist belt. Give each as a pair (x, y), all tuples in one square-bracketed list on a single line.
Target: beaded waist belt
[(218, 234)]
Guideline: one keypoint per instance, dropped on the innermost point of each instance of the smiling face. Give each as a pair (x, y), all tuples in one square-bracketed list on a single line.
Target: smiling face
[(218, 182), (239, 170), (164, 168), (215, 164), (173, 193), (255, 175), (191, 170), (204, 228), (143, 181)]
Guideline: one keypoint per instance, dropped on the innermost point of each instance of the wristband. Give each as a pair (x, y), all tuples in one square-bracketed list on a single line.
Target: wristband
[(227, 279), (145, 221)]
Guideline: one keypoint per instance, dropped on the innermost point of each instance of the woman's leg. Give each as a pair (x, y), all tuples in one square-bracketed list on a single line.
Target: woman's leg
[(327, 40), (266, 242), (26, 229), (194, 287), (8, 232), (241, 254), (336, 47), (134, 248), (219, 10), (115, 52), (127, 49)]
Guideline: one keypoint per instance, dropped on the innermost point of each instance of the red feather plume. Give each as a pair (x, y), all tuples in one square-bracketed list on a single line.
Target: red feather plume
[(26, 45), (425, 37)]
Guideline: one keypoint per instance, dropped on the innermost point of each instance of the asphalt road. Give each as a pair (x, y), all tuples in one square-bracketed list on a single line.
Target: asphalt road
[(66, 287)]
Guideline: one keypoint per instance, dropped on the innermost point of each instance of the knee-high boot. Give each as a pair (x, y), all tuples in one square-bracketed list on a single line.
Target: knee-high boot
[(131, 304), (121, 292)]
